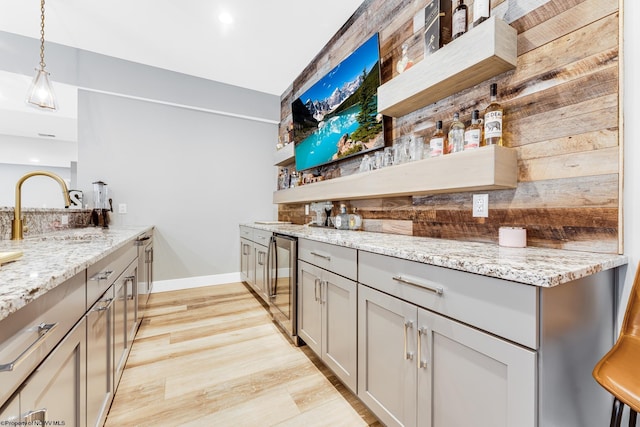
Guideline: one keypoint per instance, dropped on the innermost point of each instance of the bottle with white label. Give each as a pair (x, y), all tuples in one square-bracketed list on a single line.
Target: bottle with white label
[(493, 119), (480, 11), (341, 221), (436, 144), (473, 134), (459, 24)]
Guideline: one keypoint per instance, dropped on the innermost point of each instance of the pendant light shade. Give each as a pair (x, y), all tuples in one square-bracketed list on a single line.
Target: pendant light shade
[(40, 93)]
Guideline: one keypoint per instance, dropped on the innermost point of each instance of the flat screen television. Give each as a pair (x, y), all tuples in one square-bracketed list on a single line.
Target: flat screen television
[(338, 116)]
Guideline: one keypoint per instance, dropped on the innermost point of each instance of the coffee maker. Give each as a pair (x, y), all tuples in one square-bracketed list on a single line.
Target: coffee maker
[(102, 205)]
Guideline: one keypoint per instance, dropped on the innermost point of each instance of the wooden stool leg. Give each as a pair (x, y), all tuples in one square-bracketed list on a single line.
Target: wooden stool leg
[(616, 413), (632, 417)]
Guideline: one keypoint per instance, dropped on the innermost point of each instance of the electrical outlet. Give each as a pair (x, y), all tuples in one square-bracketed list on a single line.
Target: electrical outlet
[(122, 208), (64, 220), (481, 205)]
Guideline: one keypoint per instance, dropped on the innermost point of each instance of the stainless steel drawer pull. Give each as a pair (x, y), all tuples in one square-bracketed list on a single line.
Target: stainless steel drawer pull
[(43, 330), (327, 257), (103, 275), (421, 363), (407, 354), (431, 288)]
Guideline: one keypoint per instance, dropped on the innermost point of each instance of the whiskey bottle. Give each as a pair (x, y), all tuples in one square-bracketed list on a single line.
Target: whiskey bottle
[(436, 144), (456, 135), (480, 11), (473, 134), (493, 119), (459, 20)]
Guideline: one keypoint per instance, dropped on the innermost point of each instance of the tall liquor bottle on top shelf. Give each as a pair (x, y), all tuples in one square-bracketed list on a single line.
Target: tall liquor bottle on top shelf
[(459, 23), (480, 11), (493, 119)]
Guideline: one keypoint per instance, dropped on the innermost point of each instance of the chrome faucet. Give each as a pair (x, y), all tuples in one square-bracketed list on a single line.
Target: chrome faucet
[(16, 224)]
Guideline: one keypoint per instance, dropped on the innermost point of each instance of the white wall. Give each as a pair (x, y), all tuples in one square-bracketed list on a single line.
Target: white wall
[(631, 113), (37, 191), (193, 174)]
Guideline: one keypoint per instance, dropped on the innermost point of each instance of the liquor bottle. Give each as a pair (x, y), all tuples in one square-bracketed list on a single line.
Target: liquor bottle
[(405, 62), (459, 22), (480, 11), (436, 144), (493, 116), (341, 221), (473, 134), (456, 135)]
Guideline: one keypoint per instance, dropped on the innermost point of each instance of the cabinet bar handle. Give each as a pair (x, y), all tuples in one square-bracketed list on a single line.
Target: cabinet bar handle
[(421, 363), (327, 257), (431, 288), (316, 285), (244, 245), (103, 275), (408, 355), (43, 330)]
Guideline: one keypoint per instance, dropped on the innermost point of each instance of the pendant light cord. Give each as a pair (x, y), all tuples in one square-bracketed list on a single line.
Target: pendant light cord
[(42, 64)]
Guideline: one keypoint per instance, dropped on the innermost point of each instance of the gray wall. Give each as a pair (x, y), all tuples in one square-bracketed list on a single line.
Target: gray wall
[(192, 174), (172, 147)]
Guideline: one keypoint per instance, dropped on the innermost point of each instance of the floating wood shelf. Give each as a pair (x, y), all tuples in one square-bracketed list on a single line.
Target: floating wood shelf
[(484, 52), (486, 168), (284, 156)]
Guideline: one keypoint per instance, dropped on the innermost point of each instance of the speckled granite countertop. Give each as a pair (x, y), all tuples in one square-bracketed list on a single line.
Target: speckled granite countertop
[(50, 259), (532, 266)]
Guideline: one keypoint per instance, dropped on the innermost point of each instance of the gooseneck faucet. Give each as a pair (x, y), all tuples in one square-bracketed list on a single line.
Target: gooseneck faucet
[(16, 224)]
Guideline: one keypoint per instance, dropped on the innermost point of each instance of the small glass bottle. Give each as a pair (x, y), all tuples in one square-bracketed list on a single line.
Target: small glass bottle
[(355, 220), (459, 24), (436, 144), (456, 135), (493, 119), (341, 221), (473, 134), (480, 11)]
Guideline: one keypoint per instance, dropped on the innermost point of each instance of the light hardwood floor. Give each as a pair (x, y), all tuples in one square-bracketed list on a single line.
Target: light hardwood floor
[(211, 356)]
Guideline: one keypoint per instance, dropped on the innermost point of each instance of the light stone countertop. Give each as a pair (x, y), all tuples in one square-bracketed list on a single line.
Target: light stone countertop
[(531, 265), (50, 259)]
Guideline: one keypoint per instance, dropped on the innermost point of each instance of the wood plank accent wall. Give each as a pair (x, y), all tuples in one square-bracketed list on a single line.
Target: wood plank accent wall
[(561, 115)]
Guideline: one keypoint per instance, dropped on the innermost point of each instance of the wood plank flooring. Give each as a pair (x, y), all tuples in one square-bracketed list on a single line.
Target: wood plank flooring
[(212, 356)]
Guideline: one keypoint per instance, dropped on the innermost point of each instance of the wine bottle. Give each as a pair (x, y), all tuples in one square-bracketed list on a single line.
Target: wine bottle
[(436, 144), (493, 119), (459, 21), (456, 135), (473, 134), (480, 11)]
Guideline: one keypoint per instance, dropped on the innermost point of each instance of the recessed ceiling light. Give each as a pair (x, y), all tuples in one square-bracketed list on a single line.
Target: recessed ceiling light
[(225, 18)]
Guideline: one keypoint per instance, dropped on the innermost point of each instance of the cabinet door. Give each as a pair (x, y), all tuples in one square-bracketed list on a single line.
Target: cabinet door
[(130, 281), (56, 391), (469, 378), (10, 412), (119, 329), (260, 275), (339, 320), (386, 356), (309, 307), (247, 261)]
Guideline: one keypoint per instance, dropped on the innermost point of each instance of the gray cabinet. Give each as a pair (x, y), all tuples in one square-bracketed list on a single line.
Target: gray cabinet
[(56, 391), (417, 368), (327, 319), (10, 412), (100, 389), (247, 261), (261, 271)]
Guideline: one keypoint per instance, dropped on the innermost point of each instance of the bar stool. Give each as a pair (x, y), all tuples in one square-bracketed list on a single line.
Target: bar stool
[(619, 370)]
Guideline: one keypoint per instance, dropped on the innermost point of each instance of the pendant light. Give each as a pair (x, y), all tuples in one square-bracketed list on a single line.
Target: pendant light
[(40, 92)]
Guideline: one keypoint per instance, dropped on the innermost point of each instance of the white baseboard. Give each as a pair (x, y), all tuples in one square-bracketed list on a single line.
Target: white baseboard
[(195, 282)]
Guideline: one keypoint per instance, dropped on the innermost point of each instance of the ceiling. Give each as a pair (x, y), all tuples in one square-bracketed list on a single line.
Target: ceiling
[(265, 47)]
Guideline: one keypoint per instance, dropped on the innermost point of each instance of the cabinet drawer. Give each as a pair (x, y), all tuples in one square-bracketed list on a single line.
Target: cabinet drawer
[(504, 308), (340, 260), (103, 273), (246, 232), (262, 237)]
